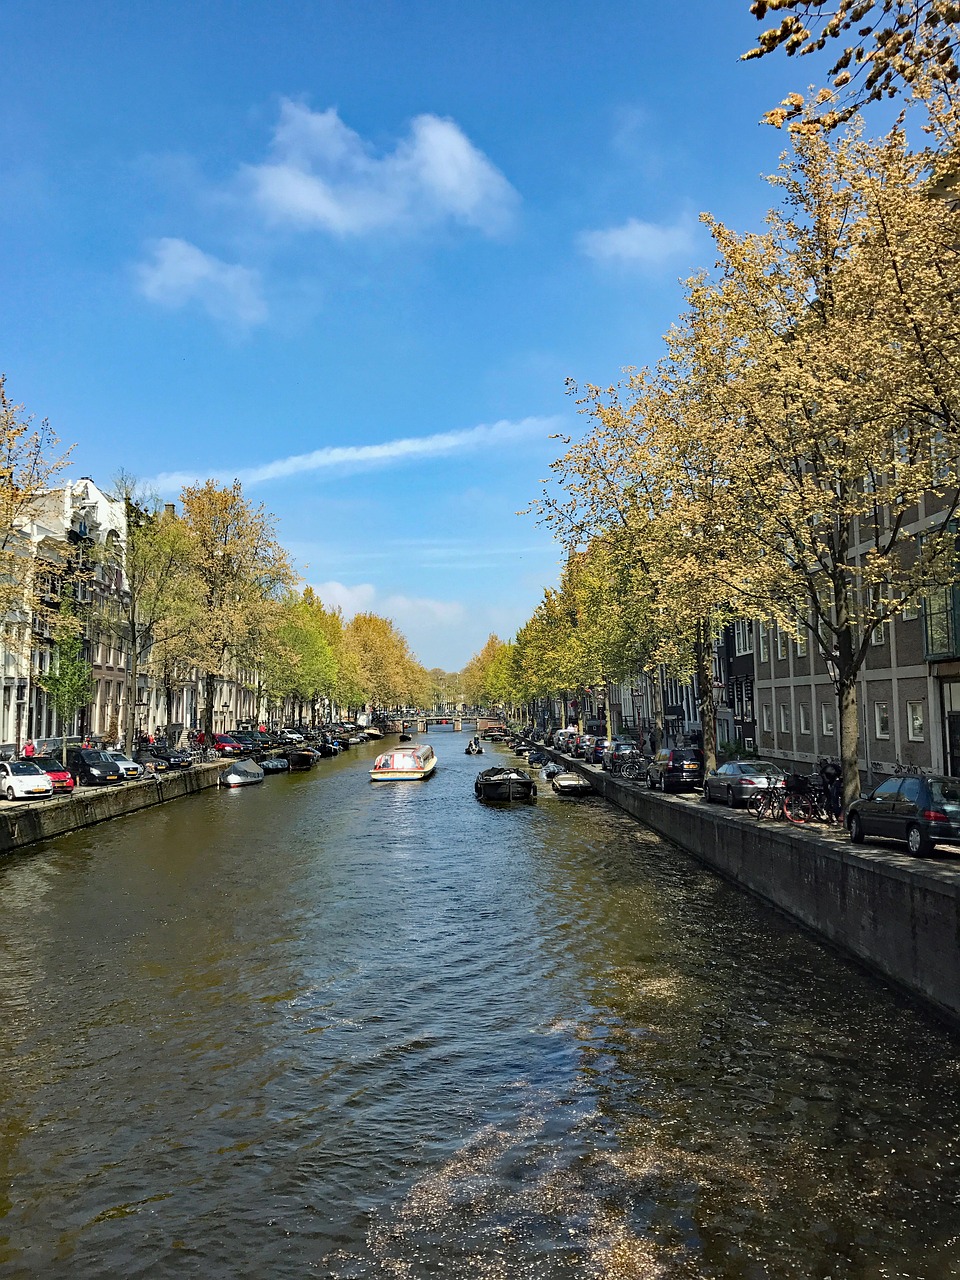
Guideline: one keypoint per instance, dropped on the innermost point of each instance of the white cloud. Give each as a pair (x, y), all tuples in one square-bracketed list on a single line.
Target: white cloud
[(366, 456), (336, 595), (178, 273), (646, 244), (322, 174), (404, 610)]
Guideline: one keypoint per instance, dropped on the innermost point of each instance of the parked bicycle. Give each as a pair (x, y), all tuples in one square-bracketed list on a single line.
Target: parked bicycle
[(633, 767), (767, 803)]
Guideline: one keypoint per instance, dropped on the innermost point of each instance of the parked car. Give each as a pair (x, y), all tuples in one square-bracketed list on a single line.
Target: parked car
[(737, 780), (291, 735), (581, 745), (23, 780), (618, 749), (673, 768), (151, 762), (92, 768), (130, 769), (57, 772), (917, 810), (597, 748), (174, 757), (561, 739)]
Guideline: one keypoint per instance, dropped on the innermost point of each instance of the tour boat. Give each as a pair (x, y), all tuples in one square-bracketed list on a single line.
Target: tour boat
[(404, 764), (504, 783), (570, 784), (241, 773)]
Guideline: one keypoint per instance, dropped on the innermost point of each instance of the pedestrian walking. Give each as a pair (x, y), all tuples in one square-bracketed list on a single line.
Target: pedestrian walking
[(830, 775)]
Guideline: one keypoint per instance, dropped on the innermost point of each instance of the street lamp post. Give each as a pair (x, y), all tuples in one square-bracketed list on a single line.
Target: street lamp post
[(21, 703)]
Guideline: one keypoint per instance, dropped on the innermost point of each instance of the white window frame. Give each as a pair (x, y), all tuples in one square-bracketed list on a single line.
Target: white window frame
[(878, 716), (764, 641), (781, 644), (827, 720), (742, 637), (913, 734), (784, 717), (766, 717), (802, 643), (804, 715)]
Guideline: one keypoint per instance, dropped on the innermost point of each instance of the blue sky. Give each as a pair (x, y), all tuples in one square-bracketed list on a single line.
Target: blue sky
[(351, 252)]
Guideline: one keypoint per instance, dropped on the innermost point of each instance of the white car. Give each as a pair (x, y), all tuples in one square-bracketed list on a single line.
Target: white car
[(22, 780), (290, 735), (128, 768)]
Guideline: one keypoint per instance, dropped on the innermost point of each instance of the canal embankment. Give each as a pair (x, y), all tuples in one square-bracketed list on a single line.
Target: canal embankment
[(29, 822), (896, 914)]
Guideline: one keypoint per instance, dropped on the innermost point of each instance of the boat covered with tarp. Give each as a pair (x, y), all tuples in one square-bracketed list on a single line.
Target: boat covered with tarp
[(241, 773)]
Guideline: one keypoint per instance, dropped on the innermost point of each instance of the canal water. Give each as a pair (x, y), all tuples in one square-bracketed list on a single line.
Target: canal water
[(323, 1027)]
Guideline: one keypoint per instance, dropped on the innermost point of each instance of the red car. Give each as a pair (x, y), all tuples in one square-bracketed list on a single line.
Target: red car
[(59, 775), (224, 745)]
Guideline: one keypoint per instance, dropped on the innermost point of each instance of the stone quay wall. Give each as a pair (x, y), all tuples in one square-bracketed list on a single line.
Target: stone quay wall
[(27, 823), (898, 915)]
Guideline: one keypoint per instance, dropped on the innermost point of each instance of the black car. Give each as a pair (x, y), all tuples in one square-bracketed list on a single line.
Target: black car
[(92, 768), (673, 768), (152, 763), (174, 757), (918, 810)]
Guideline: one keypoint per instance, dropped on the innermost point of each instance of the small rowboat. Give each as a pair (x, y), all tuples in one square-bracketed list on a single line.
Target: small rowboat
[(504, 783), (570, 784)]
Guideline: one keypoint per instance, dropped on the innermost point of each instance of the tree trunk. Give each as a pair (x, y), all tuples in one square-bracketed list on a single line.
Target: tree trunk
[(708, 710), (209, 696), (849, 740), (133, 673), (657, 707)]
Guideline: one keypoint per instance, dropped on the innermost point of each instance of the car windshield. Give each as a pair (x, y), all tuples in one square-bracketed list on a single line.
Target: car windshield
[(47, 763), (23, 767)]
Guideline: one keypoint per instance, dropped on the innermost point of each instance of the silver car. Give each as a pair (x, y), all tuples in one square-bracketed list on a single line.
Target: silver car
[(737, 780), (129, 769)]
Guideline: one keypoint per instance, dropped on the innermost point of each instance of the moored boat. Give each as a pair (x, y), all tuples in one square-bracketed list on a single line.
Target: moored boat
[(570, 784), (504, 783), (241, 773), (274, 764), (301, 761), (404, 764)]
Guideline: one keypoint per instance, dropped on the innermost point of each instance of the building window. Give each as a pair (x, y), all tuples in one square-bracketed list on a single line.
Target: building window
[(764, 644), (939, 623), (784, 718), (802, 643), (804, 717), (910, 613), (881, 719), (915, 721), (742, 638), (826, 718), (767, 717), (879, 634), (781, 644)]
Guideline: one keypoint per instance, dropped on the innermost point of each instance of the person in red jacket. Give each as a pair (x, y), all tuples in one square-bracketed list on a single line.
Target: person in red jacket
[(29, 750)]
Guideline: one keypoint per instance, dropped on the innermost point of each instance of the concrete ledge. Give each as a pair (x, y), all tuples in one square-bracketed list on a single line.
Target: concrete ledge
[(898, 915), (26, 823)]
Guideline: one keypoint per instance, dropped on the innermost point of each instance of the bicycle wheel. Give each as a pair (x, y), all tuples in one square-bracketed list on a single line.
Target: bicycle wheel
[(757, 805), (775, 799), (797, 809), (630, 771)]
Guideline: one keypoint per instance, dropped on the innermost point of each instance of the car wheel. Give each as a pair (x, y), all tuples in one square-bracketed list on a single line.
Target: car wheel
[(11, 794), (731, 800), (706, 793), (918, 843), (856, 829), (651, 783)]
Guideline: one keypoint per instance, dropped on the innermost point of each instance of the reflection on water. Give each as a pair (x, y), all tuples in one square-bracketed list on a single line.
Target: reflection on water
[(322, 1027)]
